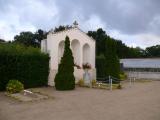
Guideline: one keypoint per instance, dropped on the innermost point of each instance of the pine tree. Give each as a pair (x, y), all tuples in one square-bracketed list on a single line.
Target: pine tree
[(65, 79)]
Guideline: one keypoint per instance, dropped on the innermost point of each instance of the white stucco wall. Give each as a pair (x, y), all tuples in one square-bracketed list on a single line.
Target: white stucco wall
[(75, 34), (44, 45)]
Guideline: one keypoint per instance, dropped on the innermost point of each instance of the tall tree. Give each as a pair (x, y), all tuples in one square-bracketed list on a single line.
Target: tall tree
[(30, 39), (153, 51), (112, 60), (65, 79), (2, 41), (25, 38), (100, 37), (122, 50), (105, 46), (40, 35)]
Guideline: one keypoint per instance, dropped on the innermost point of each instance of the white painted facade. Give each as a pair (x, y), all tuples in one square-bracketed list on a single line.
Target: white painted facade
[(83, 49)]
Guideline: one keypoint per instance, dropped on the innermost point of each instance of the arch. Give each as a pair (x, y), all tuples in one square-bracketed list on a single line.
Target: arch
[(75, 46), (60, 50), (86, 53)]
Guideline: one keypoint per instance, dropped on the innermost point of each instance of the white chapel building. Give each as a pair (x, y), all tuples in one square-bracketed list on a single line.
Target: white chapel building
[(83, 49)]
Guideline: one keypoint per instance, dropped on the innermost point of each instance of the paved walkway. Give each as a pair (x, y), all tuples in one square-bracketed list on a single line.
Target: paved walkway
[(140, 102)]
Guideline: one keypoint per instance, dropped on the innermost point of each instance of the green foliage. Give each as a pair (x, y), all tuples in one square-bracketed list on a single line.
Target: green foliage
[(153, 51), (65, 79), (81, 83), (25, 38), (100, 66), (100, 37), (112, 61), (14, 86), (61, 28), (26, 64), (2, 41), (122, 50), (107, 61), (30, 39), (123, 76)]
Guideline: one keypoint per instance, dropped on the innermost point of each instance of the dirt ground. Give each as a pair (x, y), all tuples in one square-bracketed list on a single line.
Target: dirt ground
[(139, 102)]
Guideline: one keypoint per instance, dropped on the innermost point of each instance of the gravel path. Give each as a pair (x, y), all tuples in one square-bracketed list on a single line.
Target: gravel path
[(140, 102)]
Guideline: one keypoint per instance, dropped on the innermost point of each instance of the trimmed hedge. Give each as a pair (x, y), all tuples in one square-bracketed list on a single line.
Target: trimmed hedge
[(101, 66), (26, 64)]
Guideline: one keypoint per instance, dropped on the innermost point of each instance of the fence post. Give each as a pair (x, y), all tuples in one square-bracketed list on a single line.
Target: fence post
[(134, 80), (130, 81), (111, 84), (109, 80)]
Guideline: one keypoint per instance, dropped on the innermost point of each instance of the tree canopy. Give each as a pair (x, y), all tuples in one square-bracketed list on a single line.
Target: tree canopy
[(123, 51), (153, 51), (30, 39)]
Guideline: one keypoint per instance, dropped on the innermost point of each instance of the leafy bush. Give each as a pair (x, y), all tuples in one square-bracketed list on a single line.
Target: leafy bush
[(64, 79), (26, 64), (119, 86), (14, 86), (93, 82), (81, 82), (123, 76)]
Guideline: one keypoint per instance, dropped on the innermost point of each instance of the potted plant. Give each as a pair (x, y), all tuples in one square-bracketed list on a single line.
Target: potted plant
[(86, 75), (86, 66)]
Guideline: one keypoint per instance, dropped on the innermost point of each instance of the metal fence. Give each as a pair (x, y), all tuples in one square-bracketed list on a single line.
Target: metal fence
[(142, 69), (109, 80)]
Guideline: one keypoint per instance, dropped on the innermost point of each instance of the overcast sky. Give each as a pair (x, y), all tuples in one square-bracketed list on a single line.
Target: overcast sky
[(135, 22)]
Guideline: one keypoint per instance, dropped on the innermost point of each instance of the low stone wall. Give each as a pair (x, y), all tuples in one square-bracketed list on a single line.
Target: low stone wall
[(78, 73), (144, 75)]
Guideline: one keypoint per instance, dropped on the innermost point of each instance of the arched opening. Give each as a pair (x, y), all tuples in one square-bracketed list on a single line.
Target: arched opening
[(86, 53), (75, 45), (60, 50)]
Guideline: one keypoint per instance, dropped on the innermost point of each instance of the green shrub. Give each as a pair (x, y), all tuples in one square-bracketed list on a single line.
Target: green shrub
[(119, 86), (26, 64), (81, 82), (94, 82), (64, 79), (14, 86), (123, 76), (100, 66)]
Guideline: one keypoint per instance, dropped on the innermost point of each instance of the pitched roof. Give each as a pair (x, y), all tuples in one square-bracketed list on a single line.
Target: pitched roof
[(67, 30)]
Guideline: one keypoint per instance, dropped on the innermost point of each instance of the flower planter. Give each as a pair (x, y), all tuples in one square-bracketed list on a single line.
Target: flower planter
[(86, 77)]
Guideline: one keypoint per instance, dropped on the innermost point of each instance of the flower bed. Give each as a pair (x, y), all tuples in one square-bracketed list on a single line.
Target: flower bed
[(29, 96)]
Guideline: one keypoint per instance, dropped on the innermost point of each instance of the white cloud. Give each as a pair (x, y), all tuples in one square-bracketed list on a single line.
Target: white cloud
[(146, 40), (26, 16), (93, 23), (134, 24), (142, 40)]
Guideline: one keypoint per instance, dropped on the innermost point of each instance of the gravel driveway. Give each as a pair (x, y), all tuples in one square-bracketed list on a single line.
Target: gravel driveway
[(139, 102)]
